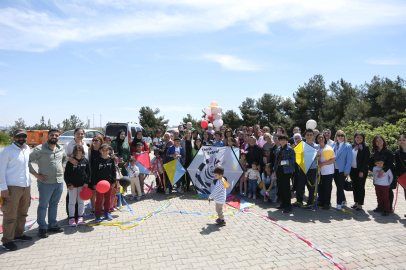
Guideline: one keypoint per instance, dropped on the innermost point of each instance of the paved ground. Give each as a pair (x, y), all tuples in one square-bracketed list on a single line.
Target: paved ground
[(365, 240)]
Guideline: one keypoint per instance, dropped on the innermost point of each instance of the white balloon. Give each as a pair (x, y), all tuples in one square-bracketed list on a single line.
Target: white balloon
[(207, 117), (221, 109), (217, 123), (215, 110), (207, 110), (221, 122), (217, 116), (311, 124)]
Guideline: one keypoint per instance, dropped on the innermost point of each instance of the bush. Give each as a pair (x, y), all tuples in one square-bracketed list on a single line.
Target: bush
[(5, 140)]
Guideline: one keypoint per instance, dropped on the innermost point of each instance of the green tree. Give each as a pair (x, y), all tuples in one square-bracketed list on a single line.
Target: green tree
[(19, 124), (150, 120), (71, 123), (249, 112), (309, 101), (275, 111), (231, 119)]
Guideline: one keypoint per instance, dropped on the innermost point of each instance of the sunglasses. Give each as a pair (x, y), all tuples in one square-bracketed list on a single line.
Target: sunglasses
[(21, 136), (95, 140), (340, 135)]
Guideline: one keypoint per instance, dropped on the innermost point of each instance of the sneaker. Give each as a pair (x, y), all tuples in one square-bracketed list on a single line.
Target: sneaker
[(339, 207), (354, 206), (55, 229), (249, 196), (218, 221), (296, 204), (23, 238), (254, 197), (108, 216), (92, 211), (72, 222), (344, 203), (98, 219), (132, 198), (287, 209), (222, 222), (80, 221), (266, 199), (379, 210), (138, 198), (181, 190), (10, 246), (43, 233), (385, 213), (167, 191), (116, 208)]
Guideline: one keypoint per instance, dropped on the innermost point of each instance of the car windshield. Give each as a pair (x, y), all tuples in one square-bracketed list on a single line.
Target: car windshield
[(112, 130), (69, 133)]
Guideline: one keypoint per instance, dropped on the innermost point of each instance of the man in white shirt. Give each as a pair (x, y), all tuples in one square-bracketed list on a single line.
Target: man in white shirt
[(15, 185), (327, 134)]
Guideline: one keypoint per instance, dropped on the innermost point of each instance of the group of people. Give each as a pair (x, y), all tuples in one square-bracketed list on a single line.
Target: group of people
[(267, 158)]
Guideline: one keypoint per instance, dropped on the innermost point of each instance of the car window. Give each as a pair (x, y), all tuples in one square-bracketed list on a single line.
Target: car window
[(68, 133), (98, 133), (89, 134), (133, 132), (138, 129), (144, 133), (113, 130)]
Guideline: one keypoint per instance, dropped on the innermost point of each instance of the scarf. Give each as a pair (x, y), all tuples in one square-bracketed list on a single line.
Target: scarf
[(119, 143), (136, 140), (358, 147)]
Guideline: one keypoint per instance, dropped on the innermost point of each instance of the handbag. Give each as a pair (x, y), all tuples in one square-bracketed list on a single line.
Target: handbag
[(348, 185)]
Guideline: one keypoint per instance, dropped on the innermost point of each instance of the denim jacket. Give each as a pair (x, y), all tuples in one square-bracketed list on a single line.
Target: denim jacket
[(289, 155)]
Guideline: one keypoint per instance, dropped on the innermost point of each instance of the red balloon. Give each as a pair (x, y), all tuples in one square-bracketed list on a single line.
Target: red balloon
[(85, 194), (103, 186), (211, 118), (204, 124)]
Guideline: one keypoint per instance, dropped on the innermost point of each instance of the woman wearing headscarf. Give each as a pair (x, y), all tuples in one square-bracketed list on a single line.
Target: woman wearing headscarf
[(138, 139), (121, 150)]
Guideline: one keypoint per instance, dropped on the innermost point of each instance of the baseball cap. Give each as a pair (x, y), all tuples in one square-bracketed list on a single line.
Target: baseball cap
[(19, 131)]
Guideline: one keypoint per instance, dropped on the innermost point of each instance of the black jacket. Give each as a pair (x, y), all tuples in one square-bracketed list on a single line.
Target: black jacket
[(363, 159), (255, 153), (77, 175), (103, 169), (387, 156), (291, 141), (400, 159)]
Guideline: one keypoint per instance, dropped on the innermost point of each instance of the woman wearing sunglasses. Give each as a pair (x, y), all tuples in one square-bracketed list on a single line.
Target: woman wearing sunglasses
[(343, 152)]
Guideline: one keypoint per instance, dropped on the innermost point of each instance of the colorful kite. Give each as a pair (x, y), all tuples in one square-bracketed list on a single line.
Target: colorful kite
[(174, 170), (240, 204), (143, 163), (305, 155), (402, 180), (209, 157)]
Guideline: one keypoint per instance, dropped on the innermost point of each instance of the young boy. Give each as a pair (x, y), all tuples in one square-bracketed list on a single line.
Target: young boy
[(217, 139), (382, 186), (254, 178), (133, 173), (176, 152), (219, 194)]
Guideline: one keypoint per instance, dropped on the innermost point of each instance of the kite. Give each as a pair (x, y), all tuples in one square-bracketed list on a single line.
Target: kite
[(240, 204), (209, 157), (305, 155), (174, 170), (402, 180), (143, 163)]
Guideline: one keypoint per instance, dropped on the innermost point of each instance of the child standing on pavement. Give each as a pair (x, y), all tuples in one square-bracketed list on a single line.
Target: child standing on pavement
[(133, 173), (243, 179), (77, 177), (219, 194), (254, 178), (382, 186), (157, 168), (103, 168), (115, 194)]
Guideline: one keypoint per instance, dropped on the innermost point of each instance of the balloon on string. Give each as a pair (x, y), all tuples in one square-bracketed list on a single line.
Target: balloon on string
[(204, 124), (103, 186), (207, 110), (220, 109), (125, 181), (86, 194), (311, 124), (211, 118), (328, 153), (215, 110), (213, 103), (217, 116), (218, 123)]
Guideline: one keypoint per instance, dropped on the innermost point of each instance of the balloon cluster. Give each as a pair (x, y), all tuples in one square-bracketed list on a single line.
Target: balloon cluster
[(213, 114)]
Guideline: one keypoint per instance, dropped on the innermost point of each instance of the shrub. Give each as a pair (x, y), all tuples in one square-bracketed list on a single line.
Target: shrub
[(5, 140)]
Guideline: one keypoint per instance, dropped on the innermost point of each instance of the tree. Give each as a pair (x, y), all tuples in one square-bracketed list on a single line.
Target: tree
[(195, 123), (309, 101), (19, 124), (249, 112), (275, 111), (72, 123), (150, 121), (231, 119)]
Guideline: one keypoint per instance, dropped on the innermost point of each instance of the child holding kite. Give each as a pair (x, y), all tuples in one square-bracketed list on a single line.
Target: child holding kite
[(219, 194), (175, 151), (133, 173), (157, 168), (116, 194)]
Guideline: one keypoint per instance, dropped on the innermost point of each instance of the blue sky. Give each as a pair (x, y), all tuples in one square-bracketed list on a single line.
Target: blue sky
[(111, 57)]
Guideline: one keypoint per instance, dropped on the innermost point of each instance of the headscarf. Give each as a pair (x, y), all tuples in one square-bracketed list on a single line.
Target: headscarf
[(136, 140), (119, 143)]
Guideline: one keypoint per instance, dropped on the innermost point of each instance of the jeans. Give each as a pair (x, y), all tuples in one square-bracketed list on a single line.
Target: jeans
[(49, 196), (273, 194), (252, 186)]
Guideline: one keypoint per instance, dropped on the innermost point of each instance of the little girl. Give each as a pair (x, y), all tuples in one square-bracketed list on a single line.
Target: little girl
[(157, 163), (103, 168), (116, 195), (133, 173), (76, 177), (269, 184), (243, 179), (231, 142), (139, 150), (254, 178)]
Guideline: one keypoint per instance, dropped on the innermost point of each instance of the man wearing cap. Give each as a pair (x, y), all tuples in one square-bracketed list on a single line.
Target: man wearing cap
[(15, 185), (51, 159)]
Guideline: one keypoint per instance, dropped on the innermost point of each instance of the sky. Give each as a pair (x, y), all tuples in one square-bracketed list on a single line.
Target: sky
[(111, 57)]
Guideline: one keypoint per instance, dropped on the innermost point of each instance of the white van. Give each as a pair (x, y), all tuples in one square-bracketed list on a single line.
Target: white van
[(111, 130)]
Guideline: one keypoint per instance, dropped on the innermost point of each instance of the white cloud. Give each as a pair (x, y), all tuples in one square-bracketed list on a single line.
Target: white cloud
[(165, 108), (85, 20), (3, 93), (231, 62)]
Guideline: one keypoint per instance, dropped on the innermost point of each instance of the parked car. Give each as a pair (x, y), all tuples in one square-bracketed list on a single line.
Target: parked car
[(111, 130), (68, 136)]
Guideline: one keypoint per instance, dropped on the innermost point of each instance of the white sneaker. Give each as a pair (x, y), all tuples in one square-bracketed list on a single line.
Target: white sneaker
[(254, 197), (339, 207), (344, 203), (249, 196), (167, 191), (138, 198)]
